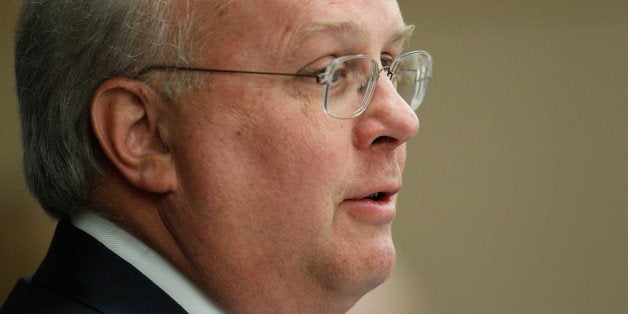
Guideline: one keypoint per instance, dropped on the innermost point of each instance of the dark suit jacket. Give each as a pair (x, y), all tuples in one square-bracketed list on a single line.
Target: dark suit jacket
[(80, 275)]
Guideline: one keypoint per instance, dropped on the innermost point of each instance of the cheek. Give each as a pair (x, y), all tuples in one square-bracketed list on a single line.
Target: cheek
[(301, 161), (294, 144), (287, 157)]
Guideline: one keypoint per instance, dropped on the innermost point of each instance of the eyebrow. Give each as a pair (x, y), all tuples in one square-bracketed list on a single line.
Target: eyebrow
[(402, 34)]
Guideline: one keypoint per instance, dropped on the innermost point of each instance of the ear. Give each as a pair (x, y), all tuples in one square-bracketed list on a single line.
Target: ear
[(126, 121)]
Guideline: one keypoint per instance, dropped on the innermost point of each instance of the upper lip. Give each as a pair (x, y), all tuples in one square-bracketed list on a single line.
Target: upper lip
[(386, 190)]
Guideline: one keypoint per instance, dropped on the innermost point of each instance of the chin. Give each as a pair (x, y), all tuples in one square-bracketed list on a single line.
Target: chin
[(359, 269), (380, 265)]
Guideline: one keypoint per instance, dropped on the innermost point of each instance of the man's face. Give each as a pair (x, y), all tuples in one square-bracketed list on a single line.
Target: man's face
[(271, 190)]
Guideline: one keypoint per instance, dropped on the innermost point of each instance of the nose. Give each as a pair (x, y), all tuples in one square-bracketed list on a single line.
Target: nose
[(388, 122)]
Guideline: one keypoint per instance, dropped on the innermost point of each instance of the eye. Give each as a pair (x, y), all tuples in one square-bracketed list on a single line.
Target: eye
[(386, 60), (319, 71), (339, 73)]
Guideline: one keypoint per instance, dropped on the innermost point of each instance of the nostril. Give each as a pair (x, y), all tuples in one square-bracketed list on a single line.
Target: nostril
[(384, 140)]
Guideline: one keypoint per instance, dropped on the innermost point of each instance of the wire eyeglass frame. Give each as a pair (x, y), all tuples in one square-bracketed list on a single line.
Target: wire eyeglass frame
[(330, 75)]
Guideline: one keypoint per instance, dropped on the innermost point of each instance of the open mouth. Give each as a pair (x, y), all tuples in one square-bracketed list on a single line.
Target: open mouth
[(375, 209), (376, 196)]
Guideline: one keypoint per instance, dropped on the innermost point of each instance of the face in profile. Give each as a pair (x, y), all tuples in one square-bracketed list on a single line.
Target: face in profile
[(271, 190)]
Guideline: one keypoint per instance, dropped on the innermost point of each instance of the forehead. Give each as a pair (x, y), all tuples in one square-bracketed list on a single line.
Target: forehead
[(285, 25)]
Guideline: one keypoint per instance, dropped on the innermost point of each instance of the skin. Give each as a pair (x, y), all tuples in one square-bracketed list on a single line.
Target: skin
[(246, 185)]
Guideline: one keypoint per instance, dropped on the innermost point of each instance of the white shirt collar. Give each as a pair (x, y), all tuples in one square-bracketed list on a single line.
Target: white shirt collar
[(146, 260)]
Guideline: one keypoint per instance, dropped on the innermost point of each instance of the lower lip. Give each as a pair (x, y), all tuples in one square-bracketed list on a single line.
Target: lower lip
[(372, 212)]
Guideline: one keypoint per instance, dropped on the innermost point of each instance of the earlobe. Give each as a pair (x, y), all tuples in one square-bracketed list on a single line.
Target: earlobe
[(125, 117)]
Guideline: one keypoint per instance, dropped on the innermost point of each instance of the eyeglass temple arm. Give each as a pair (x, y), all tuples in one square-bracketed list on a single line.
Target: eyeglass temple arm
[(150, 68)]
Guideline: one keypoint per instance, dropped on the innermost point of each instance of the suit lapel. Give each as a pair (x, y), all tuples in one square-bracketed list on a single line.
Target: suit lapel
[(83, 269)]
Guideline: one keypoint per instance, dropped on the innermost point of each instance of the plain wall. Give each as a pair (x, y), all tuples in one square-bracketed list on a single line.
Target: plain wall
[(515, 192)]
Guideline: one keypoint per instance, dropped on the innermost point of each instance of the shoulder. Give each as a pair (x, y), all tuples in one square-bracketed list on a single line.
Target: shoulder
[(29, 297), (79, 274)]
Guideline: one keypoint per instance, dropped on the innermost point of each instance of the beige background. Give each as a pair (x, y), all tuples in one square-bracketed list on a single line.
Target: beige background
[(515, 196)]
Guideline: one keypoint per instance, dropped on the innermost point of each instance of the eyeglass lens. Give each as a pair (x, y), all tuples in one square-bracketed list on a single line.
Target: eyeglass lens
[(353, 80)]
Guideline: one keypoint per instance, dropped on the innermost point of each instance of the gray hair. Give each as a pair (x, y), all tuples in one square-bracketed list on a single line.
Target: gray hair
[(64, 50)]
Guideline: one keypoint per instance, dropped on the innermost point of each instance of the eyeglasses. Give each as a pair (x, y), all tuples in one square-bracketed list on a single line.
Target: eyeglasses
[(349, 82)]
